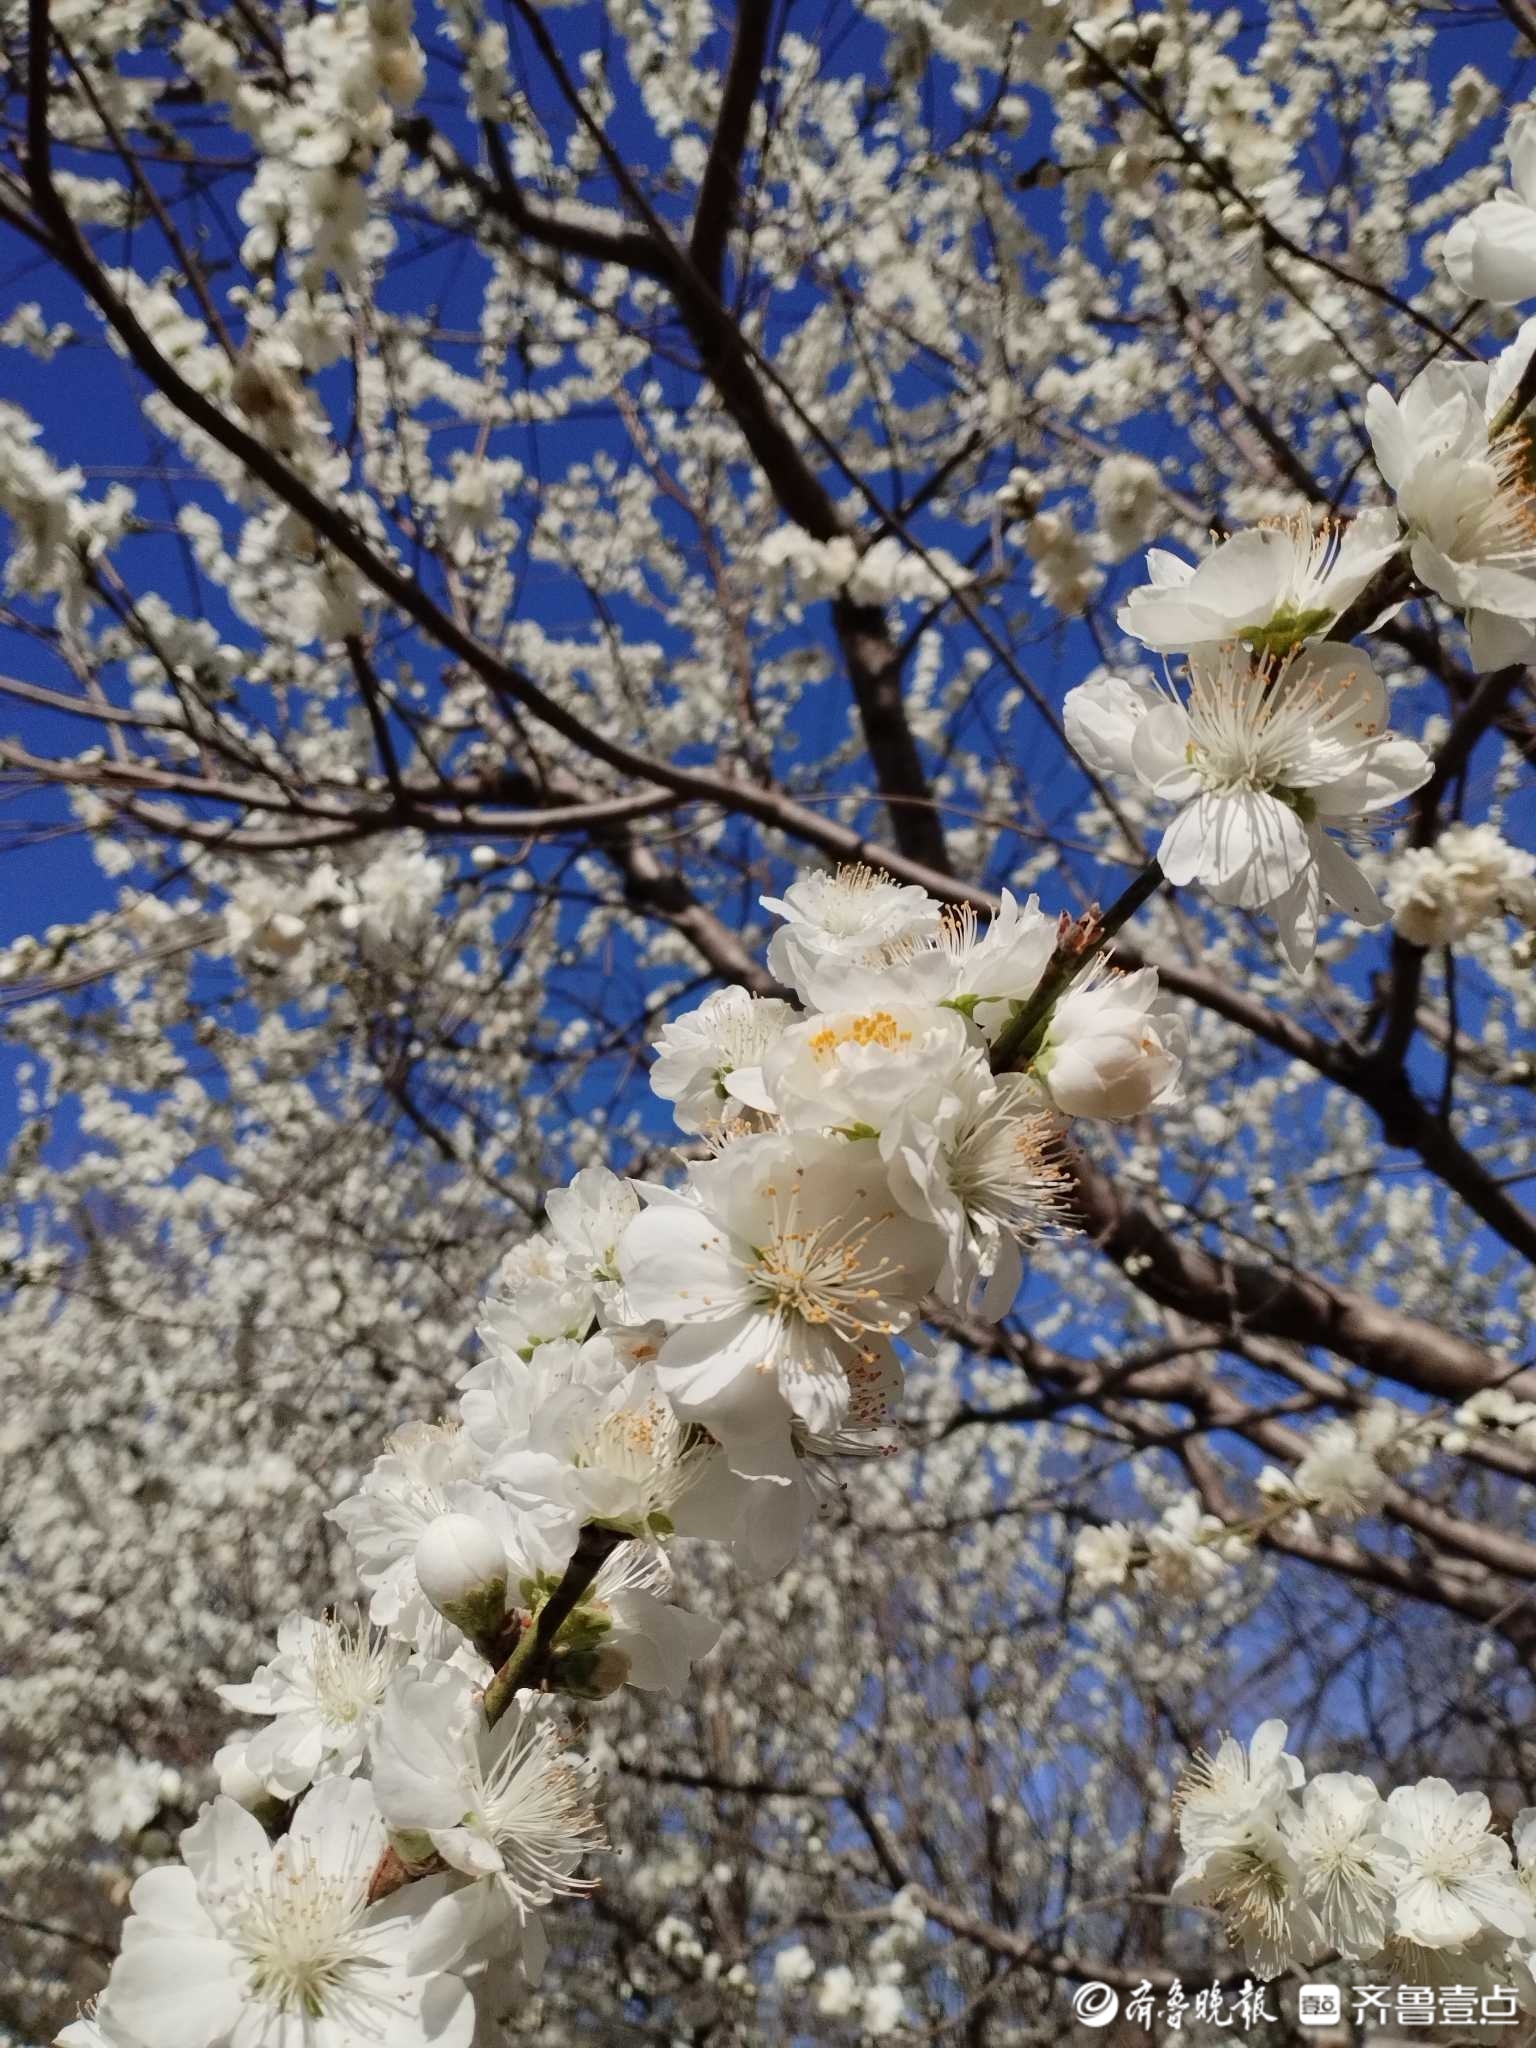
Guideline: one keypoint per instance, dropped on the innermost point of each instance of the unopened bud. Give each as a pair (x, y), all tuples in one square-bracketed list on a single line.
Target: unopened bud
[(461, 1566), (239, 1782)]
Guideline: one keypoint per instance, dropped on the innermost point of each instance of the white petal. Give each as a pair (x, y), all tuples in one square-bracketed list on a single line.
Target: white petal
[(1491, 254), (1160, 752), (725, 1376), (224, 1847), (677, 1264), (457, 1924), (1344, 884), (176, 1993)]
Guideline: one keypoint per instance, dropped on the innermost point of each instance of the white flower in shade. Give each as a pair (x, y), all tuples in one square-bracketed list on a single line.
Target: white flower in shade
[(624, 1458), (505, 1393), (1470, 876), (236, 1780), (1221, 1796), (417, 1479), (1339, 1475), (625, 1631), (763, 1526), (1103, 1556), (126, 1793), (1271, 586), (1459, 1881), (322, 1691), (1112, 1047), (1466, 494), (988, 1173), (855, 1070), (542, 1292), (505, 1805), (841, 918), (588, 1217), (258, 1944), (783, 1282), (1101, 719), (1491, 254), (1252, 1880), (709, 1061), (1265, 759), (1349, 1870)]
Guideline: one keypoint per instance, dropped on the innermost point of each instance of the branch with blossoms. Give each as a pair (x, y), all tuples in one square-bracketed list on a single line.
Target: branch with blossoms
[(693, 1361), (1417, 1886), (661, 1363)]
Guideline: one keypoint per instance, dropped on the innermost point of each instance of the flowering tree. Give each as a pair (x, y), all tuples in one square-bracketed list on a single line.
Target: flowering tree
[(760, 1159)]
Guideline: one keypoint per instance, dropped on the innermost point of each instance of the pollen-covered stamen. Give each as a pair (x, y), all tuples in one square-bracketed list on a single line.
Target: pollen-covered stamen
[(1254, 1895), (301, 1934), (1256, 721), (537, 1809), (875, 1027), (1500, 529), (826, 1275), (350, 1667), (848, 900), (1006, 1163), (648, 1446)]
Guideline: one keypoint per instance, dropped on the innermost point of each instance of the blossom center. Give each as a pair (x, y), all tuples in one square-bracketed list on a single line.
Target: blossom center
[(877, 1027), (1256, 725), (827, 1276), (304, 1943), (1501, 528), (350, 1669), (1002, 1167)]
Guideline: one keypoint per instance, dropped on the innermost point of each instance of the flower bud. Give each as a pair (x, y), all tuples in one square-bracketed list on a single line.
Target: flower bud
[(1107, 1053), (461, 1566), (239, 1782)]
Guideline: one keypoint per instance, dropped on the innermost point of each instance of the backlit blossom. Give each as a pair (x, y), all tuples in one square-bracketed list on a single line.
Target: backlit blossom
[(1491, 252), (1266, 760), (1270, 586)]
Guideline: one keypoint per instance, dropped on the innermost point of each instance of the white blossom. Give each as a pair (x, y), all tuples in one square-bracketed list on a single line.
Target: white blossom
[(249, 1942)]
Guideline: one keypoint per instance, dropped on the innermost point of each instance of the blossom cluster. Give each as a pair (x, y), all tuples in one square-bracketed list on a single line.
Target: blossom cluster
[(1345, 1471), (658, 1362), (271, 918), (1418, 1885), (1280, 739), (1471, 876)]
